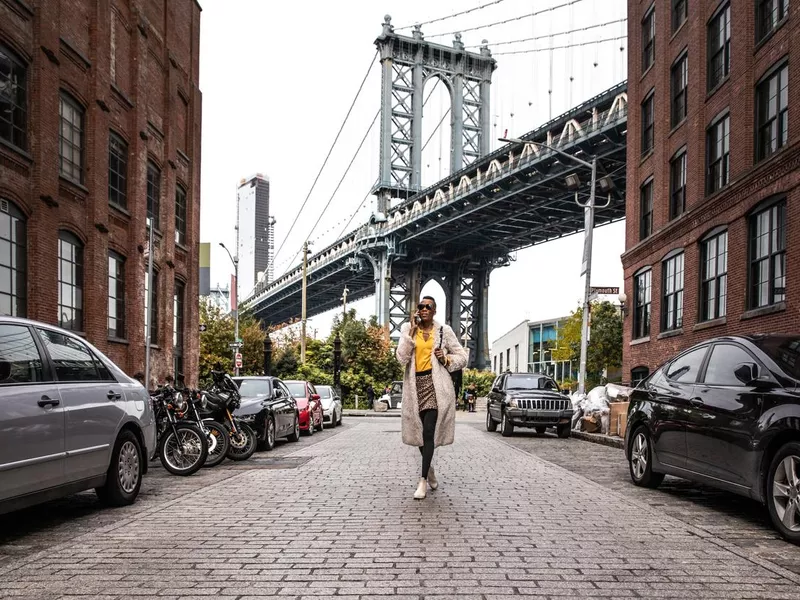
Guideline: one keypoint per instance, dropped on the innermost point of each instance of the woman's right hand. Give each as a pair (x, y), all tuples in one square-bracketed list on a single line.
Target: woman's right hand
[(412, 330)]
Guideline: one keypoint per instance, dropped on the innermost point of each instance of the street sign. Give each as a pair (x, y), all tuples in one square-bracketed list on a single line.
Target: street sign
[(235, 345), (203, 327), (238, 360), (611, 291)]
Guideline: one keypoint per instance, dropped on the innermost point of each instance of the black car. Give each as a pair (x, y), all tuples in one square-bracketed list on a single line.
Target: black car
[(528, 400), (726, 413), (269, 408)]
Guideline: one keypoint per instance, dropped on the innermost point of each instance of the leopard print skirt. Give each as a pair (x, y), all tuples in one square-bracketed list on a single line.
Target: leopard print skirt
[(426, 393)]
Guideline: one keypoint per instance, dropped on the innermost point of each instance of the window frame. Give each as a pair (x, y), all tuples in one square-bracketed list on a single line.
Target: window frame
[(77, 285), (44, 366), (779, 204), (677, 208), (154, 176), (680, 64), (639, 370), (672, 317), (649, 38), (17, 220), (19, 106), (780, 119), (762, 31), (724, 160), (639, 330), (118, 191), (677, 19), (720, 298), (648, 109), (181, 214), (67, 166), (714, 80), (646, 217), (118, 280)]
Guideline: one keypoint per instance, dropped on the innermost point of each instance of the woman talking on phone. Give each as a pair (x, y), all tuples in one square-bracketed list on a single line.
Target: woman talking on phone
[(428, 351)]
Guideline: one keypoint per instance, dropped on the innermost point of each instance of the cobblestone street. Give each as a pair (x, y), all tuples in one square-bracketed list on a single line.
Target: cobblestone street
[(332, 516)]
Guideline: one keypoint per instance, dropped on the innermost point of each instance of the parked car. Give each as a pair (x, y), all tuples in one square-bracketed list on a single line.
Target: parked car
[(308, 404), (70, 419), (726, 413), (331, 405), (395, 396), (528, 400), (269, 409)]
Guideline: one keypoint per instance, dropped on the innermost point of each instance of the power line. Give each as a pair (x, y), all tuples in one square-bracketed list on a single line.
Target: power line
[(353, 216), (543, 37), (458, 14), (623, 37), (511, 20), (330, 151)]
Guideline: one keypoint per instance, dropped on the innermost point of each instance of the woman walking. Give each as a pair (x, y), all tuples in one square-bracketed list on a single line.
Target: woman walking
[(428, 351)]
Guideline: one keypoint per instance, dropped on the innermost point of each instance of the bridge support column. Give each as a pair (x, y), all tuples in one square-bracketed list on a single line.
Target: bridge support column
[(382, 273), (481, 358)]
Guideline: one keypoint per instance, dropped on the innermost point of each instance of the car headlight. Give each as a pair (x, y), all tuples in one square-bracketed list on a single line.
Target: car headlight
[(512, 403), (248, 418)]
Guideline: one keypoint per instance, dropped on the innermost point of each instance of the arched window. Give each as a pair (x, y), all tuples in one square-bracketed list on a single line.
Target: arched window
[(70, 281), (13, 261), (638, 374), (180, 215)]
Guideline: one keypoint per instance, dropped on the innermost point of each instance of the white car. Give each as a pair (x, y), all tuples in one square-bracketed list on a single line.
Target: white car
[(331, 405)]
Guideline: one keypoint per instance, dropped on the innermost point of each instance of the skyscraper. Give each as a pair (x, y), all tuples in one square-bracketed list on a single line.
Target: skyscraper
[(253, 232)]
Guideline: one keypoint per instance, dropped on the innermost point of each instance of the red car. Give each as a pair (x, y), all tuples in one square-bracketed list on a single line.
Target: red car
[(309, 405)]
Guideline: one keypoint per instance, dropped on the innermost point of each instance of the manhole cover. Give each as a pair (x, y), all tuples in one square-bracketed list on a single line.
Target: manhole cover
[(282, 462)]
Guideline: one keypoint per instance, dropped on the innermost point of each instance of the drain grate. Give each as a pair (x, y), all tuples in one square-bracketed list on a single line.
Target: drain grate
[(257, 462)]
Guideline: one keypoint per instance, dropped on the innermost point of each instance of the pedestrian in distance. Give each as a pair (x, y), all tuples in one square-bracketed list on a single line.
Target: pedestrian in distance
[(428, 352), (370, 396)]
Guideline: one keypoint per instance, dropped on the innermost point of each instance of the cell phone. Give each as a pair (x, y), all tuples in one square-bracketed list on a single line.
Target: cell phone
[(417, 319)]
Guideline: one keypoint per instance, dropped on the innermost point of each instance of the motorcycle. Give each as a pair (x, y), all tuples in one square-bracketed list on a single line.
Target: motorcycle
[(216, 434), (218, 403), (182, 446)]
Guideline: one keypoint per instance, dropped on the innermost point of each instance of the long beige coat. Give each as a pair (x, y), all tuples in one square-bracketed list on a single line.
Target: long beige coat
[(442, 383)]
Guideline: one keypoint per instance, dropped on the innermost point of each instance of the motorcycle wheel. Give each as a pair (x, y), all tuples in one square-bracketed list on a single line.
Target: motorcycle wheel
[(218, 448), (242, 443), (183, 450)]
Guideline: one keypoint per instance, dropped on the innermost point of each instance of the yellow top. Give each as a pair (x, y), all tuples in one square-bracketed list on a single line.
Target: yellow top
[(423, 352)]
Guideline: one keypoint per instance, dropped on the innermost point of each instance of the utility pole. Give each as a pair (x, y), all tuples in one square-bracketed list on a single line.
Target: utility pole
[(234, 301), (587, 269), (303, 316), (344, 302)]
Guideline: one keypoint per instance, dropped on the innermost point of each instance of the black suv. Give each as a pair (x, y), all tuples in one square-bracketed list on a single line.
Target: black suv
[(528, 400), (726, 413)]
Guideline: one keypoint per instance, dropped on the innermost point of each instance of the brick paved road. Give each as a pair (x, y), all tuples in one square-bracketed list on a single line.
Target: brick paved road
[(506, 521)]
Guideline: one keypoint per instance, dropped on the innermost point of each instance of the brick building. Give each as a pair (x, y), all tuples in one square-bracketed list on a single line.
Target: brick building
[(100, 128), (713, 157)]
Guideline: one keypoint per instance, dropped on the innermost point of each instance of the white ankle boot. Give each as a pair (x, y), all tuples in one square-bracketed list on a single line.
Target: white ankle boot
[(432, 481), (422, 489)]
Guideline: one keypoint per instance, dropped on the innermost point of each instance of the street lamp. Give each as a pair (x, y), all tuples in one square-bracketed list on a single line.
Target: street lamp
[(235, 261), (572, 183)]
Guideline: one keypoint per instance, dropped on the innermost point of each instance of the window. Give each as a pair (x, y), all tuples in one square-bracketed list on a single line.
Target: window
[(72, 359), (153, 194), (685, 368), (70, 281), (672, 302), (641, 314), (639, 374), (679, 13), (179, 298), (19, 358), (646, 210), (680, 85), (180, 215), (13, 99), (770, 14), (13, 261), (714, 277), (501, 362), (722, 365), (648, 127), (116, 296), (677, 185), (768, 256), (516, 358), (508, 359), (719, 47), (772, 113), (649, 39), (154, 315), (71, 138), (117, 171), (718, 151)]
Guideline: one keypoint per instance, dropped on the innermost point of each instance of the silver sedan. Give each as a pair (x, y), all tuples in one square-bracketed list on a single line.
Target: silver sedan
[(331, 405)]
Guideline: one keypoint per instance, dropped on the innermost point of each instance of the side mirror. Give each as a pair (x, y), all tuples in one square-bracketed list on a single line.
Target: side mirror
[(565, 392), (315, 396), (747, 373), (495, 390)]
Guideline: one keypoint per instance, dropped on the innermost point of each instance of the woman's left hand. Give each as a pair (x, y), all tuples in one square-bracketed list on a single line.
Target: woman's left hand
[(439, 354)]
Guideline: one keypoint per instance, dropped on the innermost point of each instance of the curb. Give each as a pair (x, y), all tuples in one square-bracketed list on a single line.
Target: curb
[(599, 438), (369, 413)]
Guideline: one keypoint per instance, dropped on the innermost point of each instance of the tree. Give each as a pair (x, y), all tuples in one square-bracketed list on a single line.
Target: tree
[(219, 333), (604, 352)]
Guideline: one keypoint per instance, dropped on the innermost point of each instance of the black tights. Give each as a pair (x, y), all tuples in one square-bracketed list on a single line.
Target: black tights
[(428, 431)]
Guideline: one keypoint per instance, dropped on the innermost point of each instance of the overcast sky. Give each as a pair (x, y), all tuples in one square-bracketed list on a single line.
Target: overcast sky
[(277, 80)]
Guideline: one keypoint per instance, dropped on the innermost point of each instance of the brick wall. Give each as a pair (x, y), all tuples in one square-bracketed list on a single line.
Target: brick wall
[(133, 81), (750, 183)]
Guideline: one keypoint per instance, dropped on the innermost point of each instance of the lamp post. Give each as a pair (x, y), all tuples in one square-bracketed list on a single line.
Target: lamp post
[(149, 315), (267, 355), (303, 316), (337, 361), (573, 182), (235, 293)]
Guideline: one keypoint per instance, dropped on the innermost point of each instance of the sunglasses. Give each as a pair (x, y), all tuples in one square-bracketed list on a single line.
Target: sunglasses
[(425, 307)]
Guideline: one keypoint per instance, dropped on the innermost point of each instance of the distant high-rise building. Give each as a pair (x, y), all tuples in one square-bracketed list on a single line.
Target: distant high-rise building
[(253, 232)]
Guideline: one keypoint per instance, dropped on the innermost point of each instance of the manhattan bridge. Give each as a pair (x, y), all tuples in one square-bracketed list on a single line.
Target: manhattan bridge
[(458, 230)]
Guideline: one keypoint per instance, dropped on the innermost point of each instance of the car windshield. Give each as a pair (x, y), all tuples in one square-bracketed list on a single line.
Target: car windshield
[(297, 389), (324, 391), (253, 387), (529, 382), (784, 350)]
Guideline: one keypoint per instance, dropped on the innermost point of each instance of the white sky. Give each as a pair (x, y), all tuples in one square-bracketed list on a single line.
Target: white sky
[(278, 78)]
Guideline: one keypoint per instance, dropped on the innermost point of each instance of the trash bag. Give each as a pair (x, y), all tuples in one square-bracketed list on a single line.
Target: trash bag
[(596, 400)]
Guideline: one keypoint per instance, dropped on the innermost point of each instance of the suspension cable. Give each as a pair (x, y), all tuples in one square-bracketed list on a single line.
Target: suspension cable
[(330, 151), (565, 46), (542, 37), (458, 14)]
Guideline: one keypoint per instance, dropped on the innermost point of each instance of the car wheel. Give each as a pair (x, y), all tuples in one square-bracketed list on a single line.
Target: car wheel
[(506, 426), (340, 419), (321, 423), (124, 476), (783, 492), (640, 461), (310, 430), (540, 430), (295, 435), (491, 424), (268, 443), (564, 431)]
